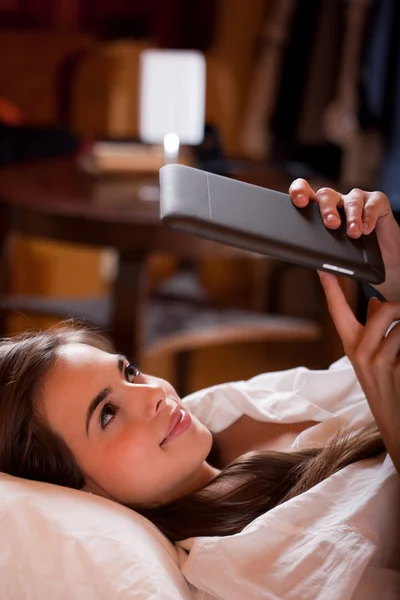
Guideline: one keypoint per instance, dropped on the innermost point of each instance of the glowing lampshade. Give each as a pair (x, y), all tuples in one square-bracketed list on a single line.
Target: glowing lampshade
[(172, 98)]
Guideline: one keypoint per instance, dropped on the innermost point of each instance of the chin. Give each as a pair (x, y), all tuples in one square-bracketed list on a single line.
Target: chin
[(204, 436)]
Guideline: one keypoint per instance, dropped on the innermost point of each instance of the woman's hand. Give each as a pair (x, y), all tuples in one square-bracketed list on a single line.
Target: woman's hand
[(375, 356), (364, 211)]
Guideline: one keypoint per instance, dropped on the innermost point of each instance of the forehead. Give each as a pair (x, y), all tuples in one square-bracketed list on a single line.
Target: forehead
[(75, 354), (78, 374)]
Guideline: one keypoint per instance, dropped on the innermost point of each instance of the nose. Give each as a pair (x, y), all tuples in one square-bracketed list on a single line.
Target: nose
[(148, 400)]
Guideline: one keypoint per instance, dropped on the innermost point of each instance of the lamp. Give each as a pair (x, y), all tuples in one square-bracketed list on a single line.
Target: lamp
[(172, 99)]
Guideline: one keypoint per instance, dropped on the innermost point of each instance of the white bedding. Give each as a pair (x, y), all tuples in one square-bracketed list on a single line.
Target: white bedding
[(338, 541)]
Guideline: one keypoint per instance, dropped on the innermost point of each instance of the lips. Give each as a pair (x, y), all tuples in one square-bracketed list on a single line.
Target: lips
[(179, 422), (173, 422)]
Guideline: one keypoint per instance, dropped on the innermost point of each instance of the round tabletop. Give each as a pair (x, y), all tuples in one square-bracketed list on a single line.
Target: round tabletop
[(57, 200)]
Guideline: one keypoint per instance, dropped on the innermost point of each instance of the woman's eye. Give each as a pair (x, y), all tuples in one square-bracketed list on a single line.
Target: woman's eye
[(107, 414), (131, 372)]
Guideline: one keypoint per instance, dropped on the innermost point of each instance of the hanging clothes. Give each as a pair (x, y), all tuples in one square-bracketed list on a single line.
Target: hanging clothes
[(308, 78), (321, 124)]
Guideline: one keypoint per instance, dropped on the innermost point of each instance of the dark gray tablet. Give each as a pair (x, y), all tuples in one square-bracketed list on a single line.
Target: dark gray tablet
[(264, 221)]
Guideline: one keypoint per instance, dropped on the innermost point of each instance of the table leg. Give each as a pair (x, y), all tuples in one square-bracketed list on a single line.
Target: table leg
[(129, 304)]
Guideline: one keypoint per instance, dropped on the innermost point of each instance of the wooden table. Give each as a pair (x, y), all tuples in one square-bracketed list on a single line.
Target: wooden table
[(56, 200)]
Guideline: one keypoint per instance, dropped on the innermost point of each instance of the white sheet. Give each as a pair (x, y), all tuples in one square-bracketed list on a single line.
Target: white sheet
[(339, 540)]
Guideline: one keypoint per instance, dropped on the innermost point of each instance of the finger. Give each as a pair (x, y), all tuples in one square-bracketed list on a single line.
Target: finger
[(373, 306), (366, 352), (328, 201), (383, 378), (389, 351), (376, 206), (354, 207), (301, 192), (376, 328), (347, 326)]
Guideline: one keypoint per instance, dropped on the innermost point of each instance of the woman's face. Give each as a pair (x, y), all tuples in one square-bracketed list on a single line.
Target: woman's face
[(126, 430)]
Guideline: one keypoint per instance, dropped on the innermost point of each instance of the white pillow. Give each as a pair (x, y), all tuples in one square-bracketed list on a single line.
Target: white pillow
[(62, 543)]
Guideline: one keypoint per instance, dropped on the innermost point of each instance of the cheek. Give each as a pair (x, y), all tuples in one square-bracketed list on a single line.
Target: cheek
[(134, 469), (133, 451), (127, 467)]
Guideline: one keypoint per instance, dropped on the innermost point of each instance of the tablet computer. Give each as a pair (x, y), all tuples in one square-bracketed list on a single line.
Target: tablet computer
[(264, 221)]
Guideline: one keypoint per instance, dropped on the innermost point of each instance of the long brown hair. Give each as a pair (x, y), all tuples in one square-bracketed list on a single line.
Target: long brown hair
[(251, 485)]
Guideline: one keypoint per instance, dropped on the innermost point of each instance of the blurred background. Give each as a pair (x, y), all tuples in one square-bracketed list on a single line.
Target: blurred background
[(294, 88)]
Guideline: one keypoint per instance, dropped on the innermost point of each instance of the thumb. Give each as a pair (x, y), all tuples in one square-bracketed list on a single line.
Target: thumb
[(373, 307)]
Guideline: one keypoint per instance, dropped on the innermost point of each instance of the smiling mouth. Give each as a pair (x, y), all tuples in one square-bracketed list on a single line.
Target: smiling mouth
[(180, 421)]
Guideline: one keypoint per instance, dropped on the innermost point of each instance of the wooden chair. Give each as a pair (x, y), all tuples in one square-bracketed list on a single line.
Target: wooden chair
[(179, 326)]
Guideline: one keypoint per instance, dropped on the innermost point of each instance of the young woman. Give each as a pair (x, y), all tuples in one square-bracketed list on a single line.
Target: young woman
[(75, 413)]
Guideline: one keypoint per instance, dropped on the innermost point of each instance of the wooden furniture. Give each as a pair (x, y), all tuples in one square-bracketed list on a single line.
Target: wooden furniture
[(55, 200), (263, 91), (362, 150), (63, 77), (57, 79)]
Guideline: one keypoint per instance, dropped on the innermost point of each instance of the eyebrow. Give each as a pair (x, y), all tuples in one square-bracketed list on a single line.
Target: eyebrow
[(101, 396)]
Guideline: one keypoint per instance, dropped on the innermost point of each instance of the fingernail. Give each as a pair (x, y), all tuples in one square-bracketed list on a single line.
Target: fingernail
[(301, 199), (353, 228), (332, 219), (365, 226)]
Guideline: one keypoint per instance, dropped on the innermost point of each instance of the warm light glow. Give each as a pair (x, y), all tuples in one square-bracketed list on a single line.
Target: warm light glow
[(171, 145), (172, 95)]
